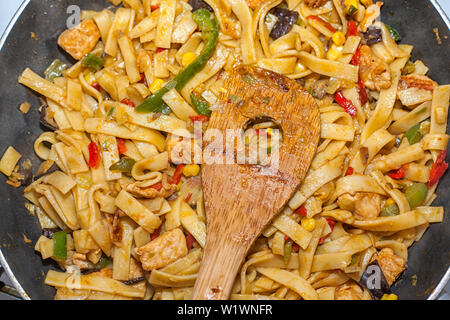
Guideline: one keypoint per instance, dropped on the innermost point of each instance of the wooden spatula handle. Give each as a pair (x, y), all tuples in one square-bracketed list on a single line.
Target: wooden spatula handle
[(222, 258)]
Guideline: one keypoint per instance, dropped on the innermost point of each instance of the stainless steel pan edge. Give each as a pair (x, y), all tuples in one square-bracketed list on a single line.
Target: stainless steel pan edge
[(435, 293)]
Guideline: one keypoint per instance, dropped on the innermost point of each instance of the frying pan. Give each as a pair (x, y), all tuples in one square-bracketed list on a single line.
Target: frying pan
[(428, 260)]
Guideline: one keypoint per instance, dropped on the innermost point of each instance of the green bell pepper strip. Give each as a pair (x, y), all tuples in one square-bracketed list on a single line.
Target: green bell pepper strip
[(55, 70), (416, 194), (390, 211), (104, 262), (60, 245), (413, 134), (209, 27), (394, 33), (200, 105), (124, 165), (93, 62)]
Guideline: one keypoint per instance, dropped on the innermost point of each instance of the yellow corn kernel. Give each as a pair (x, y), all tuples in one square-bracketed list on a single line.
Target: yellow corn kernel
[(179, 185), (191, 170), (338, 38), (188, 58), (389, 297), (334, 52), (349, 4), (389, 202), (308, 224), (156, 85), (90, 78)]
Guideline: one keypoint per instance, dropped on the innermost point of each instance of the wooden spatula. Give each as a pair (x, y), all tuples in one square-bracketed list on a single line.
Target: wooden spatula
[(240, 200)]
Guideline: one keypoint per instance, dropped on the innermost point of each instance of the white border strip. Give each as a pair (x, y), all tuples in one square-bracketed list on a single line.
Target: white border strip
[(433, 296)]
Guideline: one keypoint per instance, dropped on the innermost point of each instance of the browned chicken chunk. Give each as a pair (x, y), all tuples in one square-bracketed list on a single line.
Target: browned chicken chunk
[(365, 205), (417, 81), (165, 249), (80, 40), (375, 73), (391, 264), (348, 291)]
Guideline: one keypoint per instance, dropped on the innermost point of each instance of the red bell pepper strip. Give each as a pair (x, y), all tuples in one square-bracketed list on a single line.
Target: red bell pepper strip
[(349, 171), (331, 223), (189, 241), (352, 29), (177, 175), (160, 50), (363, 96), (301, 211), (157, 186), (345, 103), (128, 102), (154, 7), (155, 234), (397, 174), (201, 118), (356, 57), (295, 247), (121, 146), (94, 155), (189, 196), (96, 86), (326, 24), (438, 168)]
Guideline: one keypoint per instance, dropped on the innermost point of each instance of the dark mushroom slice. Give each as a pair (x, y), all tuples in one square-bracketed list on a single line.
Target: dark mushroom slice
[(373, 35), (46, 121), (200, 4), (374, 280), (286, 20)]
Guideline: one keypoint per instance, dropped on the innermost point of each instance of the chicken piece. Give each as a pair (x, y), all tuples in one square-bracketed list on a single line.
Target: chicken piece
[(79, 260), (368, 205), (149, 192), (183, 150), (80, 40), (417, 81), (391, 264), (105, 272), (167, 248), (375, 73), (365, 205), (371, 14), (315, 3), (348, 291)]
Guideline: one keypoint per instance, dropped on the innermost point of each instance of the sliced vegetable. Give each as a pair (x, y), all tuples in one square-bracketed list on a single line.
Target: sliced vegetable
[(60, 245), (121, 146), (363, 96), (201, 118), (345, 103), (356, 57), (287, 251), (409, 68), (94, 155), (104, 262), (397, 174), (200, 4), (55, 70), (416, 194), (201, 106), (128, 102), (285, 22), (93, 62), (352, 29), (45, 118), (208, 25), (157, 186), (438, 168), (390, 209), (349, 171), (189, 241), (176, 178), (373, 35), (374, 280), (301, 211), (394, 33), (326, 24), (413, 134), (124, 165)]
